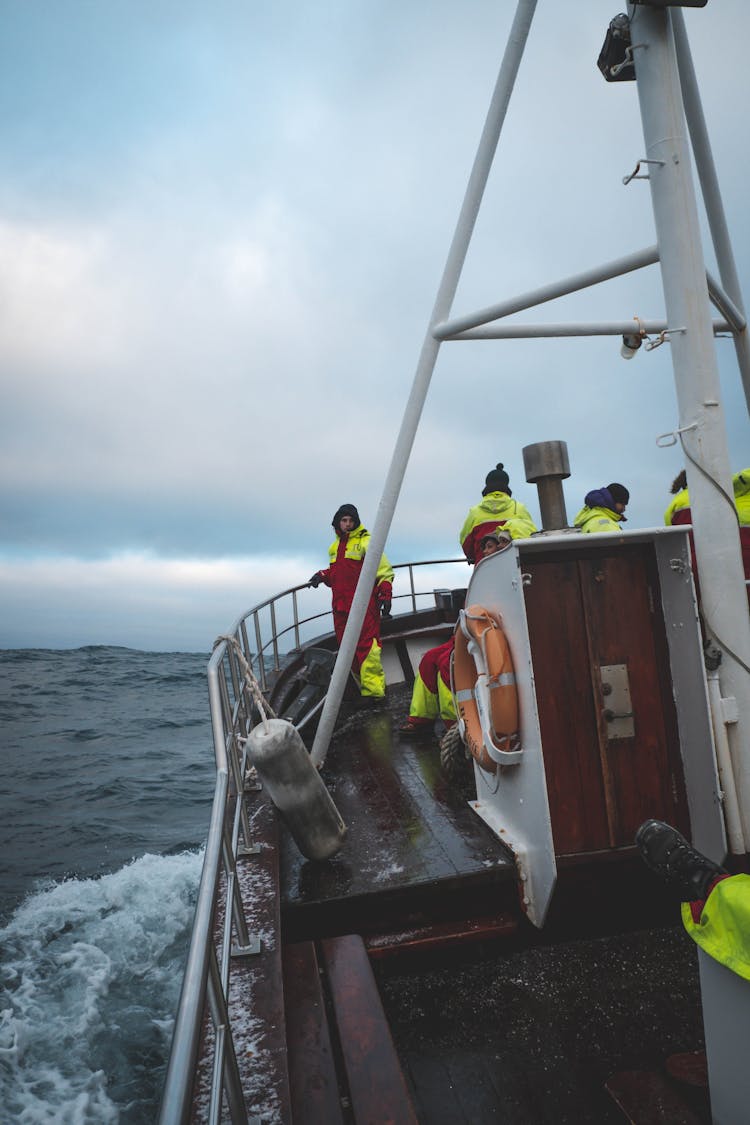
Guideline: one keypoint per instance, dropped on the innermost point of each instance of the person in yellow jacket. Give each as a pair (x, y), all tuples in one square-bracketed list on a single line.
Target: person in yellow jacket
[(741, 483), (603, 509), (496, 510), (346, 555), (715, 904), (679, 512), (431, 696)]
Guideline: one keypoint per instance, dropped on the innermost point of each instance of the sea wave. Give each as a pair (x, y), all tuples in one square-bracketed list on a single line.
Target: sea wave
[(90, 982)]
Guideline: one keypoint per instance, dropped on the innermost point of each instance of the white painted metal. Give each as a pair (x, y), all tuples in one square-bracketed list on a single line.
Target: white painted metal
[(425, 366), (709, 182), (550, 292), (696, 373), (726, 774), (496, 331), (513, 801), (726, 1022)]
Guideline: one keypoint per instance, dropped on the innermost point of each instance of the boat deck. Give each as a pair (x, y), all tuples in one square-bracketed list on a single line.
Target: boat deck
[(507, 1028), (414, 851)]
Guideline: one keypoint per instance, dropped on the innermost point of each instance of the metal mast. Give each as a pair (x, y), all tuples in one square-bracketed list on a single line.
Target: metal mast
[(688, 291), (701, 418)]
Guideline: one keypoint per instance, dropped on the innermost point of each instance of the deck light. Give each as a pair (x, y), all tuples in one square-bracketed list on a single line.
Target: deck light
[(615, 58), (631, 342)]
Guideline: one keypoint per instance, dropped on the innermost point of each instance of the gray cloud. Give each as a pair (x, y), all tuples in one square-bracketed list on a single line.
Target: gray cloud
[(221, 234)]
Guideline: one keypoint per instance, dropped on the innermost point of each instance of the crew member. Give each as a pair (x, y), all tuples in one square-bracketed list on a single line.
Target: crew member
[(497, 509), (715, 904), (603, 509), (346, 555), (679, 512), (431, 697)]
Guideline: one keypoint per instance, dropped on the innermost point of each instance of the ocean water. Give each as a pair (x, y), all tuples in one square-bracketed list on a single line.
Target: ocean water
[(108, 778)]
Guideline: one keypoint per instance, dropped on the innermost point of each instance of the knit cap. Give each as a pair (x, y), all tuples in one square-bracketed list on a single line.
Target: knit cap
[(497, 480)]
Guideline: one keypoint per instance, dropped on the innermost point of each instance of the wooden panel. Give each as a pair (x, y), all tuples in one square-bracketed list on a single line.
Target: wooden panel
[(557, 632), (621, 602), (312, 1074), (377, 1086)]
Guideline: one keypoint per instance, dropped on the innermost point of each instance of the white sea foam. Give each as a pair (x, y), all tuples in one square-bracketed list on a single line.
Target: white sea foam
[(90, 981)]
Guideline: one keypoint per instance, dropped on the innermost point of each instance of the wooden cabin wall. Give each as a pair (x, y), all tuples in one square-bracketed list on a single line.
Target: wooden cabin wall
[(586, 609)]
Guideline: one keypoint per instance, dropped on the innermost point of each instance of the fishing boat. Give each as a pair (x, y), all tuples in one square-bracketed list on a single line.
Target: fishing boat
[(388, 933)]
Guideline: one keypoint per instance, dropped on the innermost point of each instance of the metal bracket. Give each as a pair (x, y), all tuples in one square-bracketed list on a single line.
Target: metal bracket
[(634, 174), (252, 949), (730, 712), (649, 344), (618, 715), (245, 850)]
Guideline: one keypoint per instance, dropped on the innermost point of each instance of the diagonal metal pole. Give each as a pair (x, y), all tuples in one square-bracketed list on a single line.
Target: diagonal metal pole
[(709, 182), (456, 256)]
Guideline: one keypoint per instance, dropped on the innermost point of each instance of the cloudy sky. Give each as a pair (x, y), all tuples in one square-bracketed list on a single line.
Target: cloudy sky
[(222, 227)]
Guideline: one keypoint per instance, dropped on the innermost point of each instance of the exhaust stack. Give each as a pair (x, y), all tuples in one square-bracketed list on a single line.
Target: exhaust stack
[(546, 465)]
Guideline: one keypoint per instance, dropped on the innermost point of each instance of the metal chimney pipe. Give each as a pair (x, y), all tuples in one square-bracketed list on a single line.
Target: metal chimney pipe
[(547, 466)]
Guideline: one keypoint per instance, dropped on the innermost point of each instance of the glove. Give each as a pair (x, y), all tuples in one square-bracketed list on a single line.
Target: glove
[(385, 608), (316, 579)]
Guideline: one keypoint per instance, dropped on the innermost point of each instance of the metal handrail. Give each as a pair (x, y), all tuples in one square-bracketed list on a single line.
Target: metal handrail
[(205, 985), (260, 664)]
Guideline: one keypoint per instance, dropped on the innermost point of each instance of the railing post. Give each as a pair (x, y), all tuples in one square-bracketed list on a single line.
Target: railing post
[(296, 619), (226, 1071), (259, 645), (274, 637)]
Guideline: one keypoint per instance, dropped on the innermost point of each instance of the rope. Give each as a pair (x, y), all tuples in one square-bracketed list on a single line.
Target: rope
[(675, 434), (249, 677)]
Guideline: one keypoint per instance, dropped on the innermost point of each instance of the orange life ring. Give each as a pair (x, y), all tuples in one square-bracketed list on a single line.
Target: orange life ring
[(483, 683)]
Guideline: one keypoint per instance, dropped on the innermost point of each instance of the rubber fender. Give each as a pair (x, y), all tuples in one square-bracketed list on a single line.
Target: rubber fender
[(296, 788)]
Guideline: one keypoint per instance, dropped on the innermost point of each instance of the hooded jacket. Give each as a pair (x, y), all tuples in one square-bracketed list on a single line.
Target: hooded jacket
[(497, 509), (345, 557), (679, 510), (598, 513)]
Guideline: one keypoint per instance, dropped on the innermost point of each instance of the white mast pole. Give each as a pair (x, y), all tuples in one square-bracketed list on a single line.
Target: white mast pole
[(709, 182), (723, 597), (428, 357)]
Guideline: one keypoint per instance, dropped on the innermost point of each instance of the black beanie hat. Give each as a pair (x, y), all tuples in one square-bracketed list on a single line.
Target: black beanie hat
[(497, 480), (345, 510), (619, 493)]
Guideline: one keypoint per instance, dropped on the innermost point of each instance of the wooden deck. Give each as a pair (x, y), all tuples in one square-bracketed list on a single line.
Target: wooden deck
[(407, 955), (415, 851)]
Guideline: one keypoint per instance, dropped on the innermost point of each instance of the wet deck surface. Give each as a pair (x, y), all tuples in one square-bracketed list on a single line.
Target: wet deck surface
[(532, 1035), (410, 832), (520, 1029)]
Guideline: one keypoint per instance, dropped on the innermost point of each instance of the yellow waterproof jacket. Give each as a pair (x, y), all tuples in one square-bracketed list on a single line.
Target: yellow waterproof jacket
[(680, 502), (346, 555), (741, 482), (723, 930), (496, 510), (597, 519), (741, 485)]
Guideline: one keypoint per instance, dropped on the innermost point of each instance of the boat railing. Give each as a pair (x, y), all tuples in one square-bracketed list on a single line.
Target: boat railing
[(260, 640), (273, 628)]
